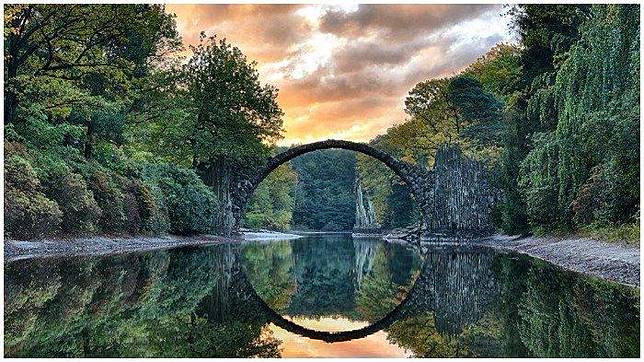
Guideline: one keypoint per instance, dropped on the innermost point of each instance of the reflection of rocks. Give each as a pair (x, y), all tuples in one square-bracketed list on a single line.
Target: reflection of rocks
[(459, 286), (365, 250), (365, 212)]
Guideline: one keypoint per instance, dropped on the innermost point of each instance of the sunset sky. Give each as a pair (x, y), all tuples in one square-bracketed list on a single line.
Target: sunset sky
[(344, 72)]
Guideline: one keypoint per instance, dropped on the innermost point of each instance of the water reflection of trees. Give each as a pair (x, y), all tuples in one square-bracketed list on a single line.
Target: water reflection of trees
[(168, 303), (197, 302), (360, 279), (514, 306)]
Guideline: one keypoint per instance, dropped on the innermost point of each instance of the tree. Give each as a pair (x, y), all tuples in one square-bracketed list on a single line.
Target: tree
[(324, 194), (232, 117), (479, 108), (430, 102), (499, 70), (271, 205), (547, 32), (71, 54)]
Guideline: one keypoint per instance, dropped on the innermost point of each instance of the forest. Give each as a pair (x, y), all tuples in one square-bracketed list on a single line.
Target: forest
[(109, 130)]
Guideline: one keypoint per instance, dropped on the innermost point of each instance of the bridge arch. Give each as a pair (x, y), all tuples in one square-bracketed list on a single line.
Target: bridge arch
[(410, 174)]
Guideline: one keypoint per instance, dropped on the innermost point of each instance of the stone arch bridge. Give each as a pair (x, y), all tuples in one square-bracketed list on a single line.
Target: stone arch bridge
[(456, 196), (411, 175)]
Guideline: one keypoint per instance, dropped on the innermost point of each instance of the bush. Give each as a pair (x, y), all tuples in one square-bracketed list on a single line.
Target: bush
[(81, 213), (110, 199), (538, 182), (331, 226), (190, 204), (142, 208), (28, 213)]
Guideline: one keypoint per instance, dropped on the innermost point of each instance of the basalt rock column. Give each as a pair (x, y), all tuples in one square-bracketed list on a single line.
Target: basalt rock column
[(460, 196), (365, 213)]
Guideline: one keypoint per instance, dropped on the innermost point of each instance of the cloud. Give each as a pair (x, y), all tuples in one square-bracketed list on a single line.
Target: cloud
[(343, 72), (397, 22), (263, 32)]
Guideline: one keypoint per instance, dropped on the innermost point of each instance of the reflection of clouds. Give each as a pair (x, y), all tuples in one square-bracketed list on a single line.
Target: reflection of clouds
[(343, 71), (374, 345)]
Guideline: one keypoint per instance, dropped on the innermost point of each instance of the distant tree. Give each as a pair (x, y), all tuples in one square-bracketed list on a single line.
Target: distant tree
[(271, 205), (324, 195)]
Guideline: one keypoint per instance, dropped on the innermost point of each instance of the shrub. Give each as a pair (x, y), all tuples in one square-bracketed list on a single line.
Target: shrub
[(538, 182), (81, 213), (110, 199), (331, 226), (190, 204), (28, 213), (142, 208)]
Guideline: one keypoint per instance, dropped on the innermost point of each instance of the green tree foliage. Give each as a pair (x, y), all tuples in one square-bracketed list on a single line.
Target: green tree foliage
[(231, 114), (271, 206), (324, 194), (591, 160), (190, 205), (215, 117), (28, 212), (97, 96), (411, 142), (81, 64), (546, 32), (498, 70)]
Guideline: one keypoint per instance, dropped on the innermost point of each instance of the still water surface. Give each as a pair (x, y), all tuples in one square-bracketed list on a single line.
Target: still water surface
[(324, 295)]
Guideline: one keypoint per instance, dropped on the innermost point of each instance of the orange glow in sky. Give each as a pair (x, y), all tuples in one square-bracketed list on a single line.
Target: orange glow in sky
[(343, 71)]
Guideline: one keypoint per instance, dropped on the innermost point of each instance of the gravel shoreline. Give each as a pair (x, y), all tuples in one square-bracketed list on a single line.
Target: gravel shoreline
[(16, 250), (616, 262)]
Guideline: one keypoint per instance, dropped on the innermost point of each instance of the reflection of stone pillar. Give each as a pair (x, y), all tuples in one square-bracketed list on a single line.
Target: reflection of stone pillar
[(365, 212), (457, 285), (365, 250)]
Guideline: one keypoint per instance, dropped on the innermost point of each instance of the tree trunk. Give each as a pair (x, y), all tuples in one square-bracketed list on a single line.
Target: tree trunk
[(218, 176)]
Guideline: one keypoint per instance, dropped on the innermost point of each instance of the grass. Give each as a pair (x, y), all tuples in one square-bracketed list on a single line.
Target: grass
[(629, 233)]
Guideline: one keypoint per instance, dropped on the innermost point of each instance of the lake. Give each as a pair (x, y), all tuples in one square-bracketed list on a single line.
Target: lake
[(322, 295)]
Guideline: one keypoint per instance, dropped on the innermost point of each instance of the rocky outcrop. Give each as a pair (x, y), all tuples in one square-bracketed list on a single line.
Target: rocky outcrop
[(459, 195), (365, 212)]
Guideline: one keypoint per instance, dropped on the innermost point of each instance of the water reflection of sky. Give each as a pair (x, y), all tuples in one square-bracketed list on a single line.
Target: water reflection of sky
[(374, 345)]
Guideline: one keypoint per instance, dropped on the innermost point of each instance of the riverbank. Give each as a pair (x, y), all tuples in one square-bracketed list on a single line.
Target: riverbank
[(618, 262), (106, 245), (102, 245)]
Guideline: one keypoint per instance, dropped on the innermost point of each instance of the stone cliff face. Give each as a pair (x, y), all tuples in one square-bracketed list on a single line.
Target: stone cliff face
[(365, 213), (459, 195)]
